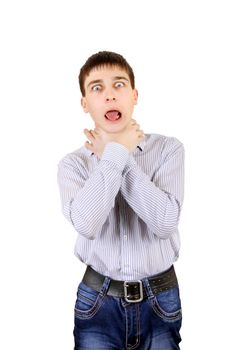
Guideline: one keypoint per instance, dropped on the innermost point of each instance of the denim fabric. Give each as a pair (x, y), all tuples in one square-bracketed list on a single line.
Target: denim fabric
[(104, 322)]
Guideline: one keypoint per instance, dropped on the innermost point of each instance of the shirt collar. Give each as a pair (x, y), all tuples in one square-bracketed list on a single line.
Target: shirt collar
[(141, 147)]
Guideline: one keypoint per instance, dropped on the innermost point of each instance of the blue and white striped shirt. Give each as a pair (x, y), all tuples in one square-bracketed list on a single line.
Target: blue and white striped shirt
[(126, 206)]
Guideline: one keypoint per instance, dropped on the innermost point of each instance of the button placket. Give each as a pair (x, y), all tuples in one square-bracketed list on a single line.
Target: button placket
[(123, 235)]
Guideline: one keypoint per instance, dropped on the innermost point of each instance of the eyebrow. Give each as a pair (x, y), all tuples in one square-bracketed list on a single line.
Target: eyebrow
[(94, 82), (100, 80), (120, 78)]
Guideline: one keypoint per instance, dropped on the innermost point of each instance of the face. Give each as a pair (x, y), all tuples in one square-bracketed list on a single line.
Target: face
[(109, 98)]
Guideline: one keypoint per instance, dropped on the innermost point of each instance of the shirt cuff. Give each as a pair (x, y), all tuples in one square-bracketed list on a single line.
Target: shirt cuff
[(116, 154), (131, 163)]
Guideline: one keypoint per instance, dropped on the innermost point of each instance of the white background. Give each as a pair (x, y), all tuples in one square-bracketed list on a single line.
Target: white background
[(184, 55)]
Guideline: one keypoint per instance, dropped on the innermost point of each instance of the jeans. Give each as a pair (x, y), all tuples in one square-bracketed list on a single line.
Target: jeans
[(103, 322)]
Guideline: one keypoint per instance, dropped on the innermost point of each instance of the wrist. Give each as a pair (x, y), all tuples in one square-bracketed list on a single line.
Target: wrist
[(116, 154)]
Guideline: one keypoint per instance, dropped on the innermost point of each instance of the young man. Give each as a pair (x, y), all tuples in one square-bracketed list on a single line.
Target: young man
[(123, 192)]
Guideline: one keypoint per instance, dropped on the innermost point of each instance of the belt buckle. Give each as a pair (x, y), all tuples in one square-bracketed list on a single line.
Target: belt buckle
[(128, 284)]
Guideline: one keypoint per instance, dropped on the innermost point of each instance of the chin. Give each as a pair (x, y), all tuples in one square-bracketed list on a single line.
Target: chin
[(115, 129)]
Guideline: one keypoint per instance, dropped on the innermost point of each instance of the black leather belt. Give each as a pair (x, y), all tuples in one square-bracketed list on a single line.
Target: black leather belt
[(132, 291)]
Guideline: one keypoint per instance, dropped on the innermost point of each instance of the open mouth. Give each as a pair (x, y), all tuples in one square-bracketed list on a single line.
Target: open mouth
[(113, 115)]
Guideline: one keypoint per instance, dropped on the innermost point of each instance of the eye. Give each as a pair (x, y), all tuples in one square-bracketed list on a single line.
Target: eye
[(119, 84), (96, 88)]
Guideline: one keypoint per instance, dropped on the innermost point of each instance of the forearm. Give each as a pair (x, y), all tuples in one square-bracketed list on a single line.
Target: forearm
[(156, 201), (88, 206)]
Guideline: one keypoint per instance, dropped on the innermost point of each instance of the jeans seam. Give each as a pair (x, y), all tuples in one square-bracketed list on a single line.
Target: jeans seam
[(137, 330), (91, 312), (138, 327), (83, 298), (170, 317)]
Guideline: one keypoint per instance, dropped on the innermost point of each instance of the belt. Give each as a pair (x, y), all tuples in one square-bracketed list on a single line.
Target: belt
[(132, 291)]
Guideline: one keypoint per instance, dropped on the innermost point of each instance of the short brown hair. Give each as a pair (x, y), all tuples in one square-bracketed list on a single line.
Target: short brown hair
[(104, 58)]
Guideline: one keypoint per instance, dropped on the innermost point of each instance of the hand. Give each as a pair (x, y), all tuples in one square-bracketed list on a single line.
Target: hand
[(98, 140), (130, 137)]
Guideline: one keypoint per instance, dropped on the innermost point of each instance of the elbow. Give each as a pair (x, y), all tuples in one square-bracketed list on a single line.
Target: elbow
[(84, 230), (165, 232), (169, 224), (79, 223), (83, 227)]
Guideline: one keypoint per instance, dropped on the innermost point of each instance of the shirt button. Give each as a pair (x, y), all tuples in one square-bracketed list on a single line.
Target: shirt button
[(125, 237)]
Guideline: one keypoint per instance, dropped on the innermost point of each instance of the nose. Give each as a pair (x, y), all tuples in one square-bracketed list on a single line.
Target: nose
[(110, 99), (110, 96)]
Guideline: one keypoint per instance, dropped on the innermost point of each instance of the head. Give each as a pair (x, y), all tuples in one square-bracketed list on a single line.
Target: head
[(107, 85)]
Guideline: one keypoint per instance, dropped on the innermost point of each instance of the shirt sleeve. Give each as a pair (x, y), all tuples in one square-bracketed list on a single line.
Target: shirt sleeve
[(157, 201), (88, 198)]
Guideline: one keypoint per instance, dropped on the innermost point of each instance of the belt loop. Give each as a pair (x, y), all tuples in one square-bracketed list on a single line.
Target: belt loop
[(105, 286), (148, 289)]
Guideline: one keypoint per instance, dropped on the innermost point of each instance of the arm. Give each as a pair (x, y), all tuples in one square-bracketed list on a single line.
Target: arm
[(158, 201), (87, 200)]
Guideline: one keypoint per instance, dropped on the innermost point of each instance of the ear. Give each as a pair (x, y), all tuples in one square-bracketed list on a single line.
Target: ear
[(135, 96), (84, 104)]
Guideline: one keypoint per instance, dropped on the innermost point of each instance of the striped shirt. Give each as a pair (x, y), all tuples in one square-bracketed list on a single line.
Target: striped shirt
[(125, 206)]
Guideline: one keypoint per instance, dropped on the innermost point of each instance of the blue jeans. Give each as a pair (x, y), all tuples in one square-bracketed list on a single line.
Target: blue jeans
[(103, 322)]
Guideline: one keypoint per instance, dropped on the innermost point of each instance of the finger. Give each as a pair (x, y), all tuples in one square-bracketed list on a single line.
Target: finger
[(141, 137), (136, 127), (140, 132), (88, 145), (134, 122), (86, 131), (88, 134), (93, 133)]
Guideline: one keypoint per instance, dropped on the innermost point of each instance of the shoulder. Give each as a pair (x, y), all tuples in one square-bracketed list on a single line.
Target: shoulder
[(162, 143), (78, 159)]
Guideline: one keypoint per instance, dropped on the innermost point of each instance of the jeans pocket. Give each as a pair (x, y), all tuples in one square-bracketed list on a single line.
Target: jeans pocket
[(167, 305), (88, 302)]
